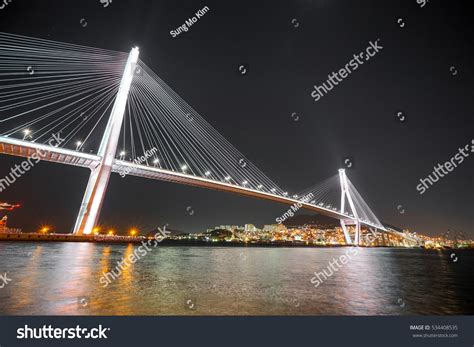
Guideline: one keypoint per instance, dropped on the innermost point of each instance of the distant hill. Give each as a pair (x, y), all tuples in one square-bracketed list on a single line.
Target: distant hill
[(386, 225), (321, 221), (173, 232), (316, 220)]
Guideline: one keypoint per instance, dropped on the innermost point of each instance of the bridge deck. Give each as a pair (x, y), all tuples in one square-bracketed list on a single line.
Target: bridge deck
[(27, 149), (22, 148)]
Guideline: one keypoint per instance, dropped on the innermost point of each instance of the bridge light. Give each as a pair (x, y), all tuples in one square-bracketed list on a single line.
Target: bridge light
[(227, 178), (295, 196), (259, 186), (285, 193), (78, 144), (122, 154), (27, 133), (207, 173), (184, 168), (273, 190), (156, 161), (245, 183), (313, 202)]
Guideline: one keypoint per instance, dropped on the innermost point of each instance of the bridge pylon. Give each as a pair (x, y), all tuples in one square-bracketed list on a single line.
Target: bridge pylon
[(100, 175), (345, 193)]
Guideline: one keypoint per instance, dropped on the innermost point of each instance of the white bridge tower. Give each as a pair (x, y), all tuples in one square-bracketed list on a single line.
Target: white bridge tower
[(345, 193), (99, 178)]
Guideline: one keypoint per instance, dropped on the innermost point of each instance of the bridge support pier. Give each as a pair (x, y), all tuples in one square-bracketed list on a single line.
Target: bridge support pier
[(347, 237), (357, 234), (99, 178)]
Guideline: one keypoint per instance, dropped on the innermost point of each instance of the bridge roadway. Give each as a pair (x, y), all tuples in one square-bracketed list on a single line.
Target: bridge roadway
[(26, 149)]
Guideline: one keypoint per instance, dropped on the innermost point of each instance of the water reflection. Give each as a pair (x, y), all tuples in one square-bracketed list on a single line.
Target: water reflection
[(64, 278)]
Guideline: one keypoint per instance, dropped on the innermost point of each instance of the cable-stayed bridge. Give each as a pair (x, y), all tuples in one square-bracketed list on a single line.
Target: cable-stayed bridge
[(109, 112)]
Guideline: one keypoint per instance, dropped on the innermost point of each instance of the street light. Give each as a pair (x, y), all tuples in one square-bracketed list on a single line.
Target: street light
[(45, 229)]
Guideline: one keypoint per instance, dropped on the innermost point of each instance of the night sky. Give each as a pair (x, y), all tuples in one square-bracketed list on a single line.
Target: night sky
[(287, 47)]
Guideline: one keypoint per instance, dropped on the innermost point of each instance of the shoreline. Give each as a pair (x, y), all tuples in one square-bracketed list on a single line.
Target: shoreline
[(34, 237)]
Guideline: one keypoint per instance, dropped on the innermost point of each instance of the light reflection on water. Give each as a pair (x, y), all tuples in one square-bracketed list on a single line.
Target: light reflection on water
[(63, 279)]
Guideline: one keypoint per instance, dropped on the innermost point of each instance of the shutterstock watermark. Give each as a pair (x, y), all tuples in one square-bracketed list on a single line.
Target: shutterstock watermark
[(295, 207), (48, 332), (138, 254), (4, 280), (5, 4), (337, 263), (191, 21), (140, 160), (442, 170), (336, 77), (20, 169)]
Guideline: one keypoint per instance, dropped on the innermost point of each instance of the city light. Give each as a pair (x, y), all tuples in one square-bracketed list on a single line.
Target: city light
[(111, 232), (45, 229), (317, 234), (133, 232)]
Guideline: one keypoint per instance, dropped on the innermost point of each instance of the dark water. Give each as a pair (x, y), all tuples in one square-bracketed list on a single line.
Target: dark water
[(63, 279)]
